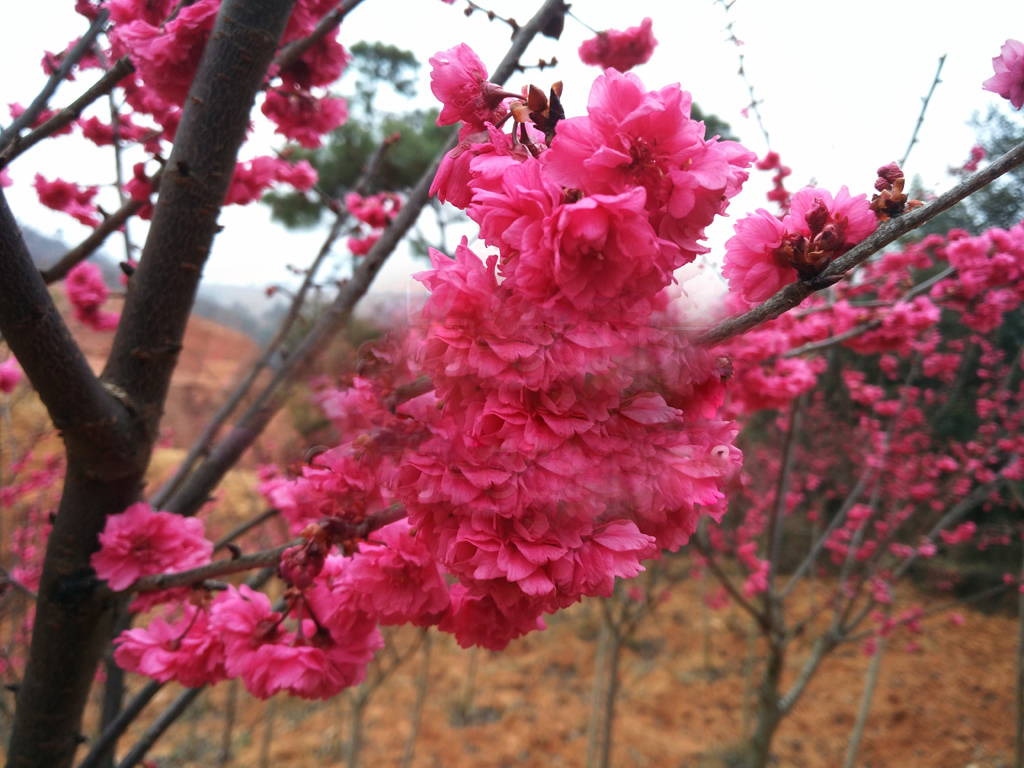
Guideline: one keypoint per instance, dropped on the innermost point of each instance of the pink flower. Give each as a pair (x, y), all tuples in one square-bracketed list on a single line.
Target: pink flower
[(5, 178), (87, 293), (1008, 80), (765, 254), (302, 117), (635, 138), (620, 50), (140, 542), (396, 581), (458, 79), (65, 196), (188, 651), (10, 375), (751, 265), (314, 663), (479, 620), (167, 55), (253, 178)]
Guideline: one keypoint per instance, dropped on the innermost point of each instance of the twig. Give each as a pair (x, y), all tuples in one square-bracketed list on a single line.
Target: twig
[(791, 295), (242, 528), (759, 617), (87, 247), (865, 704), (131, 711), (924, 108), (161, 724), (19, 145), (26, 118)]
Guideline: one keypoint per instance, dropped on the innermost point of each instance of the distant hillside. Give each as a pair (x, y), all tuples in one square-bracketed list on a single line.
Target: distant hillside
[(242, 308)]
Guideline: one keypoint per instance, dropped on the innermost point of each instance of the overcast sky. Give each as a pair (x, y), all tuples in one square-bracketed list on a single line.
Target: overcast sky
[(841, 85)]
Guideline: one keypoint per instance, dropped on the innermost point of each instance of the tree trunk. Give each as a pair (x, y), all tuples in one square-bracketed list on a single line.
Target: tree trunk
[(768, 712)]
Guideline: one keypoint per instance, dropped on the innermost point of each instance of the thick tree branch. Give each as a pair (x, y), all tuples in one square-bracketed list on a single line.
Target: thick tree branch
[(888, 231), (193, 186), (36, 333), (121, 69), (193, 492), (35, 109)]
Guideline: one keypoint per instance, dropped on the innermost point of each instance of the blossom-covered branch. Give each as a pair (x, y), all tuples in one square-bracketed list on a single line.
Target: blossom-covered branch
[(70, 60), (793, 294), (102, 87)]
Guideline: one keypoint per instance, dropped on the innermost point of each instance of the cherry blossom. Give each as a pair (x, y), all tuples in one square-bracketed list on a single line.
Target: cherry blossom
[(1008, 80), (620, 50)]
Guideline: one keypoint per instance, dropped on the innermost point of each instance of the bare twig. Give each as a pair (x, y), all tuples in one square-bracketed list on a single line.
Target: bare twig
[(791, 295), (71, 58), (161, 724), (924, 108), (243, 528), (726, 582)]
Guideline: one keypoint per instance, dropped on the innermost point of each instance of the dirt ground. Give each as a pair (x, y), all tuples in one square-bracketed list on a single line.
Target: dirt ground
[(947, 705)]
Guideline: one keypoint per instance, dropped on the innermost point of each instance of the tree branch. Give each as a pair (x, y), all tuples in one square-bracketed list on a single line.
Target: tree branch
[(924, 108), (87, 247), (19, 145), (263, 558), (888, 231), (26, 118), (193, 187), (202, 444)]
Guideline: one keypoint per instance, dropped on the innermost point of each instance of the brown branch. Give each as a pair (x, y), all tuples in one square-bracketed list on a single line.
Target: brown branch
[(102, 87), (726, 582), (202, 444), (264, 558), (71, 58), (243, 528), (87, 247), (193, 187), (292, 52), (195, 490), (110, 444), (791, 295)]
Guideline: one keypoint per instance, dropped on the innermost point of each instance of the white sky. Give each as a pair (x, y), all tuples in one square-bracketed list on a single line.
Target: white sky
[(841, 85)]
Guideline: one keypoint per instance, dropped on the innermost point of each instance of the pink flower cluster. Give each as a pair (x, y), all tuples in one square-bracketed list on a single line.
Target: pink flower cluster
[(254, 177), (68, 197), (620, 50), (576, 434), (766, 254), (374, 212), (318, 646), (87, 293)]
